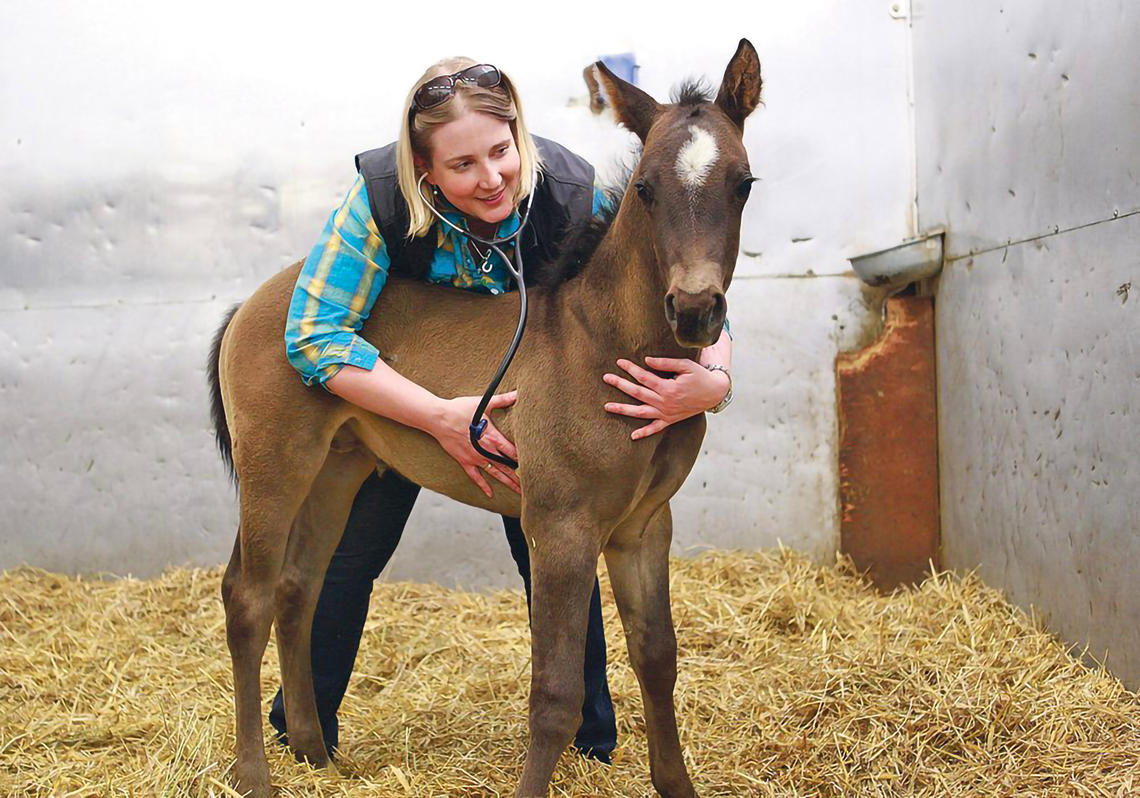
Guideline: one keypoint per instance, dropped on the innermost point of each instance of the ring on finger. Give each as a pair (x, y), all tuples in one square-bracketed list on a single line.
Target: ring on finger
[(487, 466)]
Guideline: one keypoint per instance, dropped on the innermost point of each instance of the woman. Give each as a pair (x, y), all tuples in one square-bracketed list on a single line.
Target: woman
[(464, 153)]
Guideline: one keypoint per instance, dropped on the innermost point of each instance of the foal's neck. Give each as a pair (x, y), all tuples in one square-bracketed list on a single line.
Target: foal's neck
[(623, 288)]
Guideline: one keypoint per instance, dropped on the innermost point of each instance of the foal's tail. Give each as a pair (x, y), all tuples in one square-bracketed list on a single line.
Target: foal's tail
[(217, 409)]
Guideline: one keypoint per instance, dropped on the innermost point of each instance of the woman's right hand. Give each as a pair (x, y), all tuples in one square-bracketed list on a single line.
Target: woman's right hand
[(453, 433)]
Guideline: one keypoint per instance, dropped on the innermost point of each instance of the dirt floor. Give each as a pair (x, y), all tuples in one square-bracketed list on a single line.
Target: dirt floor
[(795, 680)]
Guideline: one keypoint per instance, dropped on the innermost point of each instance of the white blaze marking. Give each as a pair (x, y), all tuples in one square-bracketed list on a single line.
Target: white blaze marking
[(696, 158)]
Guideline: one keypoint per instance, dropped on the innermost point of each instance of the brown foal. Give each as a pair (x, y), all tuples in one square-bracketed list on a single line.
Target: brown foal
[(653, 286)]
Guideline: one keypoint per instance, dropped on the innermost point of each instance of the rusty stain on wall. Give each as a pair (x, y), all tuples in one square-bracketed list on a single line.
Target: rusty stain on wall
[(888, 447)]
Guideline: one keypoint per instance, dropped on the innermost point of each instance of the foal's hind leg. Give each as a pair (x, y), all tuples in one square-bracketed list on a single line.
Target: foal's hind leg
[(639, 572), (269, 500), (316, 531)]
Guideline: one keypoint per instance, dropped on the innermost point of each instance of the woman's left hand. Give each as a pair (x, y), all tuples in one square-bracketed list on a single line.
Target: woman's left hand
[(666, 401)]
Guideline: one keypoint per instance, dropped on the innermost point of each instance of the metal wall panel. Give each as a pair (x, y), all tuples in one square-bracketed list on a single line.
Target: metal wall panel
[(1027, 115), (108, 463), (1039, 405)]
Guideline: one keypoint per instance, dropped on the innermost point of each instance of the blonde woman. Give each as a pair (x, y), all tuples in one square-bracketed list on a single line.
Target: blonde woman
[(463, 152)]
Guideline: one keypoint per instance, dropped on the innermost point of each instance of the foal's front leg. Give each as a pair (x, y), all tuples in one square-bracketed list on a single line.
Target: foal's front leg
[(638, 565), (563, 568)]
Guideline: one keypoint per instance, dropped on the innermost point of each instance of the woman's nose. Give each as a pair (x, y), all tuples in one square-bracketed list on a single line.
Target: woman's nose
[(489, 177)]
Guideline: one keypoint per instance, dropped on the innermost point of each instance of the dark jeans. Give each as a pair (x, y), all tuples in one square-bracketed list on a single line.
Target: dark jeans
[(374, 527)]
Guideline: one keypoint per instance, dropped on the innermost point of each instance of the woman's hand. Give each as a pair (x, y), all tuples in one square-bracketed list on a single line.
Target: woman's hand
[(452, 430), (666, 401)]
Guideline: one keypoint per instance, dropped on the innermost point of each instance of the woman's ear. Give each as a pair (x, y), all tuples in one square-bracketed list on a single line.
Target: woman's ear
[(423, 168)]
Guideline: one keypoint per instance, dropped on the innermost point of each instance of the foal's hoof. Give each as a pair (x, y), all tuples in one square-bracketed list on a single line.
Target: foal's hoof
[(316, 757), (679, 791), (254, 788), (257, 792), (252, 781)]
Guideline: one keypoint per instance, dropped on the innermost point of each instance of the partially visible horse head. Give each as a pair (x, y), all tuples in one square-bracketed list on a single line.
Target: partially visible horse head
[(692, 182)]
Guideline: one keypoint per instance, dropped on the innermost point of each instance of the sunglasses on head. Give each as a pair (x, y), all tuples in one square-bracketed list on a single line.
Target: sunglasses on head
[(439, 90)]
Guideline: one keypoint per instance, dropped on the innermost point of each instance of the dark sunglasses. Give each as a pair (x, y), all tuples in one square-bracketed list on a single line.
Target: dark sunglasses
[(439, 90)]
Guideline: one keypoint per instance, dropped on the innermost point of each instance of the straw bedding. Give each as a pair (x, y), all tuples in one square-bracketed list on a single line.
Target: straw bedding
[(794, 680)]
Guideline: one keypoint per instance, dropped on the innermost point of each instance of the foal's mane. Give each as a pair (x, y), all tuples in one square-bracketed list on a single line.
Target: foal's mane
[(581, 239), (692, 91)]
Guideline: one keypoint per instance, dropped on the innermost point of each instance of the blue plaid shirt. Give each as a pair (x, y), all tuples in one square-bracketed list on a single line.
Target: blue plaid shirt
[(347, 268)]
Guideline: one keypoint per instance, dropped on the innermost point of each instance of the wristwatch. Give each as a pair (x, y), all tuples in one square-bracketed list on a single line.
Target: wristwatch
[(727, 400)]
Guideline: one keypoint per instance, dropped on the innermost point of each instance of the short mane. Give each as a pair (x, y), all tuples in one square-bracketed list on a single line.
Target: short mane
[(692, 91)]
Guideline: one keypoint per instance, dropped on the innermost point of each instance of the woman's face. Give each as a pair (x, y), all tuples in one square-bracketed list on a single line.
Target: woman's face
[(475, 163)]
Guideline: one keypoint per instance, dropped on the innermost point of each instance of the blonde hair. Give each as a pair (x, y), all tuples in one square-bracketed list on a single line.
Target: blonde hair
[(414, 141)]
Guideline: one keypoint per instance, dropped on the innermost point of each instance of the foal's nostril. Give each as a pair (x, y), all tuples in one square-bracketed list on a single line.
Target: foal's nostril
[(671, 308), (720, 309)]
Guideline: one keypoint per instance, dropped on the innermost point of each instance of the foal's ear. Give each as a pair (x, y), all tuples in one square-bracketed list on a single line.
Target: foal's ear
[(740, 90), (634, 109)]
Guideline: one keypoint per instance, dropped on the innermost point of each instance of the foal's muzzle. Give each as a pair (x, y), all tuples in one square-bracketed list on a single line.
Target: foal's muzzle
[(696, 318)]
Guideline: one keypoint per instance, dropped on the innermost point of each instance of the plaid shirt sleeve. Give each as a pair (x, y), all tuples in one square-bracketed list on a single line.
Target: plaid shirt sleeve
[(335, 292)]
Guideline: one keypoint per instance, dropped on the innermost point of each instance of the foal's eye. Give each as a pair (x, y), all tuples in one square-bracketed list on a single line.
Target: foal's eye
[(745, 187), (644, 191)]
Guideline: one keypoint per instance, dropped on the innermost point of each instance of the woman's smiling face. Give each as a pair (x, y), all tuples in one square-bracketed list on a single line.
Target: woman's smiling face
[(475, 163)]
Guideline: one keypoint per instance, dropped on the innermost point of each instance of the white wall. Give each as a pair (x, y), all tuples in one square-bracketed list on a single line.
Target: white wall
[(1027, 119), (158, 161)]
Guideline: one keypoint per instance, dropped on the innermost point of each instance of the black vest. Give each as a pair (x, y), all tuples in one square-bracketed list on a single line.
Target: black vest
[(564, 195)]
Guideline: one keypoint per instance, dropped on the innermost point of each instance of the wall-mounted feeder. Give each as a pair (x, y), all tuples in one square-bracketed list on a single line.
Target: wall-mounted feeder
[(913, 261)]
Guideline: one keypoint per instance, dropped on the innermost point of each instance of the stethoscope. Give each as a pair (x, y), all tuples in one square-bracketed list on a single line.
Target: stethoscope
[(478, 423)]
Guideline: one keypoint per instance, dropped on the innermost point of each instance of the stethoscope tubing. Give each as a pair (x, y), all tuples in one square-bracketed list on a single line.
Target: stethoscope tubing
[(478, 423)]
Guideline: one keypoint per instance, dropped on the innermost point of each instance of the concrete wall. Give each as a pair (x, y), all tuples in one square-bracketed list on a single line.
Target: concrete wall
[(158, 162), (1027, 152)]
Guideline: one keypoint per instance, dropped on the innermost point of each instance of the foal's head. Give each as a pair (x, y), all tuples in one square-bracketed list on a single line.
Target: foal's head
[(691, 183)]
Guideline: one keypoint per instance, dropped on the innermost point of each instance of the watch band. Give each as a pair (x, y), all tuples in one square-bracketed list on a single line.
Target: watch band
[(727, 400)]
